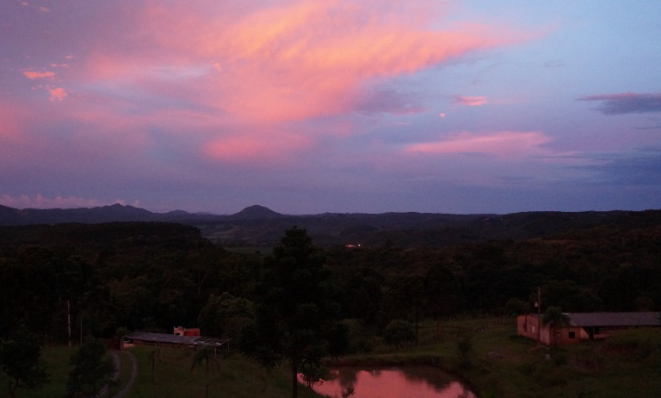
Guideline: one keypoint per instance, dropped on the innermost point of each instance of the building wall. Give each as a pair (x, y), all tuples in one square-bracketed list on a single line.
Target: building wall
[(527, 324), (569, 335)]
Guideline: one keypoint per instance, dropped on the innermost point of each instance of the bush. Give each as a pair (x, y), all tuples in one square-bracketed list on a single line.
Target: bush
[(399, 333)]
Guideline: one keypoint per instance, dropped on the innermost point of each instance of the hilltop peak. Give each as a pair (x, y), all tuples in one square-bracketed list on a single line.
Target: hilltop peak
[(256, 211)]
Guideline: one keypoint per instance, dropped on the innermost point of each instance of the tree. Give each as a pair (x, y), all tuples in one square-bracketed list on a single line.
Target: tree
[(225, 315), (465, 347), (441, 291), (399, 333), (295, 317), (206, 356), (153, 356), (555, 317), (92, 370), (20, 359)]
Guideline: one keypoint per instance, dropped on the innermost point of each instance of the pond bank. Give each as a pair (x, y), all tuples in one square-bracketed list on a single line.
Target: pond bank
[(392, 381), (403, 361)]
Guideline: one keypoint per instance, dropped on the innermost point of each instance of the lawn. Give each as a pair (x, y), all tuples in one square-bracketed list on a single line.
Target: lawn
[(233, 376), (500, 364)]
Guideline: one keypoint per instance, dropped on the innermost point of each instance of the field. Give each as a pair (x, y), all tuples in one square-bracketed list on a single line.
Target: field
[(173, 376), (502, 364), (498, 364)]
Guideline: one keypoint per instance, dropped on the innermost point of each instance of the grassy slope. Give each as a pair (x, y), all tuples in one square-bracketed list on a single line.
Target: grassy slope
[(234, 377), (503, 365), (627, 365), (56, 360)]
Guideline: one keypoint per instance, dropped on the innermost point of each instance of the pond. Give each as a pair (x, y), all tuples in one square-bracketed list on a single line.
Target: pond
[(392, 382)]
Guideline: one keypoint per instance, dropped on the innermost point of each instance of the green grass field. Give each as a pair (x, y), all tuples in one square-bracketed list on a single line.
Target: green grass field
[(56, 360), (505, 365), (173, 377), (233, 376), (501, 365)]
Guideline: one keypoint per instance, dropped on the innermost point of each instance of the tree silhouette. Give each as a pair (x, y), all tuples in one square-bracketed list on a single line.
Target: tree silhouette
[(20, 359), (206, 356), (554, 317), (295, 318), (399, 333), (92, 369)]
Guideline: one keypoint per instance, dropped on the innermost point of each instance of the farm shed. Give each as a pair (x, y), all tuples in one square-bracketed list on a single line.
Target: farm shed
[(173, 340), (584, 326)]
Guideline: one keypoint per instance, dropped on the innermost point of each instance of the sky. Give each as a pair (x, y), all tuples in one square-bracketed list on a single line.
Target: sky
[(342, 106)]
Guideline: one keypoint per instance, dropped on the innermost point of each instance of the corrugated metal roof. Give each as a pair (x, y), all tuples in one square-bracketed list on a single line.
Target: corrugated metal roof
[(590, 319), (175, 339)]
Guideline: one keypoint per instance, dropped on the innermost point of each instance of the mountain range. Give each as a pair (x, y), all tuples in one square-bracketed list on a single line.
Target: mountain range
[(259, 226)]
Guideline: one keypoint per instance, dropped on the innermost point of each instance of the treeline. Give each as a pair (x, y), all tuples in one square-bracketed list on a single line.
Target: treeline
[(598, 269), (98, 278), (66, 281)]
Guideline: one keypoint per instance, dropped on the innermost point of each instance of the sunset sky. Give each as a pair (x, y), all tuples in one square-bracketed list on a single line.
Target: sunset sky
[(475, 106)]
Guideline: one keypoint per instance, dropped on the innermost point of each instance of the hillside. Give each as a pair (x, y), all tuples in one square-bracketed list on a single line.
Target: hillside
[(259, 226)]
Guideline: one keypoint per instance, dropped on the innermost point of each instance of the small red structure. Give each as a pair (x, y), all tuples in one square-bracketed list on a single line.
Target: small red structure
[(182, 331)]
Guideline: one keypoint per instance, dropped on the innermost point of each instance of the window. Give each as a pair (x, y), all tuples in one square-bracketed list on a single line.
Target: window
[(572, 335)]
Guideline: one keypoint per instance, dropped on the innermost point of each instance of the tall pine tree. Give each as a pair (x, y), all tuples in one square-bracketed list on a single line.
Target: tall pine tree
[(296, 321)]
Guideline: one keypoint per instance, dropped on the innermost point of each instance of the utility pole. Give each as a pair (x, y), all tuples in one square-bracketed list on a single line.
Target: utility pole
[(69, 320), (539, 315)]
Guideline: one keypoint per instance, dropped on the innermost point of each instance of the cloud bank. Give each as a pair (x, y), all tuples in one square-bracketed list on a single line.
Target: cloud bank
[(622, 104), (503, 144)]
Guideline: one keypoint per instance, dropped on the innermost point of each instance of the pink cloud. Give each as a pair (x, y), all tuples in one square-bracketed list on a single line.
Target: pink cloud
[(11, 117), (254, 149), (292, 61), (459, 100), (32, 75), (57, 93), (207, 67), (504, 144)]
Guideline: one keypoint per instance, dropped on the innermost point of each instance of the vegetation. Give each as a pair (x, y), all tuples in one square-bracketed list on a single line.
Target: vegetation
[(236, 377), (300, 304), (502, 364), (20, 360), (554, 316), (295, 319), (91, 370), (206, 357)]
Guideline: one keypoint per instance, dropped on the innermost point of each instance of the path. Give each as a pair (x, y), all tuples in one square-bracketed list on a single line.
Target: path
[(134, 374), (118, 365)]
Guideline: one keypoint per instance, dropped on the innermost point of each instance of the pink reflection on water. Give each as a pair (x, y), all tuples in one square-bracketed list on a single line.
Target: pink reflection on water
[(392, 383)]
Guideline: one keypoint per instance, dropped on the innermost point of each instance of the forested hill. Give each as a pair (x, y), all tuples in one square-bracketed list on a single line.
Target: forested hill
[(260, 226), (409, 230), (151, 276)]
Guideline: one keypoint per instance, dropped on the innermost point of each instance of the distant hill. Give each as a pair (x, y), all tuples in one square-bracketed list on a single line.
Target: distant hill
[(259, 226), (256, 212), (116, 212)]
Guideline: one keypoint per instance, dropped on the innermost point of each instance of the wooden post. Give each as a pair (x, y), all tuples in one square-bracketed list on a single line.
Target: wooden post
[(539, 315), (69, 320)]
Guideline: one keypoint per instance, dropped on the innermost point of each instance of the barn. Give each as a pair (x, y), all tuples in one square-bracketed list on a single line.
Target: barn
[(173, 340), (584, 326)]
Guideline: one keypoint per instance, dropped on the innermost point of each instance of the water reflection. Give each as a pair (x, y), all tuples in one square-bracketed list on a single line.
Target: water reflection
[(421, 382)]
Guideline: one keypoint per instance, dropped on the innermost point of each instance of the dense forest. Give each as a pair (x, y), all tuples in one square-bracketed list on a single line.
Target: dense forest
[(63, 281)]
